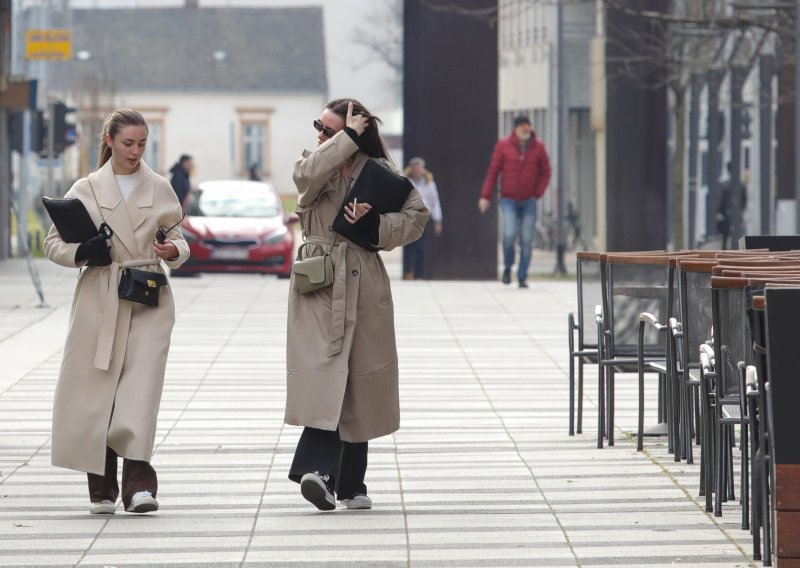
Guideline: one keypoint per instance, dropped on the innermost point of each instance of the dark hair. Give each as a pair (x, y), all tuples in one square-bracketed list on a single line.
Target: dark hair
[(116, 120), (183, 158), (521, 119), (370, 141)]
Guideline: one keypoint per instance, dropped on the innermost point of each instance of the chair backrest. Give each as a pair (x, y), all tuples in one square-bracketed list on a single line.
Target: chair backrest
[(732, 338), (590, 294), (695, 306), (634, 284)]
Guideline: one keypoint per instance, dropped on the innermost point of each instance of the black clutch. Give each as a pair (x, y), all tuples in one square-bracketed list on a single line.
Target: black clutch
[(380, 186), (71, 219)]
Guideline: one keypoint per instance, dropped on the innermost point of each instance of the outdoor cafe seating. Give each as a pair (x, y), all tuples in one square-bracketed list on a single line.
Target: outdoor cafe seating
[(699, 323)]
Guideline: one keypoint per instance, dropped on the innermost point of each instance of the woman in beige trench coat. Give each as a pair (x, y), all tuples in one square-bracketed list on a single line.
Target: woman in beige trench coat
[(341, 353), (112, 372)]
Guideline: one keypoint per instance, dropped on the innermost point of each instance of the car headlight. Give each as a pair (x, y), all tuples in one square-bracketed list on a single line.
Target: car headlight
[(276, 236)]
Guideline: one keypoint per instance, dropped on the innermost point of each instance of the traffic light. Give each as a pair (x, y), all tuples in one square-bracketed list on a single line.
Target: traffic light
[(38, 131), (64, 133), (16, 127)]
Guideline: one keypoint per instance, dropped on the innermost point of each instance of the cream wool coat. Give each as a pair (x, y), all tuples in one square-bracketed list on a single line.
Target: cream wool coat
[(112, 372), (341, 352)]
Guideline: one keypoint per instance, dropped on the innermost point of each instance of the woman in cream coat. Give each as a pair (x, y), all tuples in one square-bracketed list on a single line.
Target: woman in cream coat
[(341, 353), (112, 373)]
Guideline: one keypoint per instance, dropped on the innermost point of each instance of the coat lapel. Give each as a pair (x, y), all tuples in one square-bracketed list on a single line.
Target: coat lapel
[(114, 208), (142, 195)]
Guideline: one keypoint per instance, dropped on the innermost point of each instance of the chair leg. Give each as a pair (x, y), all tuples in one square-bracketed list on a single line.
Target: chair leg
[(697, 417), (640, 424), (729, 464), (705, 445), (688, 414), (580, 396), (744, 491), (718, 469), (766, 513), (610, 394), (571, 394), (601, 404)]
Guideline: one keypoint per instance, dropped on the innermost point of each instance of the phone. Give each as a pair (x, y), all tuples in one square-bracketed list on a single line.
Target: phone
[(161, 234)]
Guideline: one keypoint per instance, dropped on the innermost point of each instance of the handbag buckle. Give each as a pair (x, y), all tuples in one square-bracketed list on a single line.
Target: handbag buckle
[(152, 284)]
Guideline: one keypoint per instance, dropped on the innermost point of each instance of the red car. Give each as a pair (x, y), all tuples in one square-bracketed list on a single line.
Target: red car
[(237, 226)]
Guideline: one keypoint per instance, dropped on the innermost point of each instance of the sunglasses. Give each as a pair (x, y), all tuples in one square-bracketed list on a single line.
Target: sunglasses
[(328, 132), (161, 234)]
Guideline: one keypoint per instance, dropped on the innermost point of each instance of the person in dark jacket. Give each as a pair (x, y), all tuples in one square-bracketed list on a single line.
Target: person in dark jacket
[(725, 209), (521, 160), (180, 176)]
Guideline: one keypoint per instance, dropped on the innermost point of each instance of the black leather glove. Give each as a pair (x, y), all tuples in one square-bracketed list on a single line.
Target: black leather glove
[(95, 251), (369, 225)]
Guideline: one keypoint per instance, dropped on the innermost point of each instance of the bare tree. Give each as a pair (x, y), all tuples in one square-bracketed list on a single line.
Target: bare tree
[(383, 41)]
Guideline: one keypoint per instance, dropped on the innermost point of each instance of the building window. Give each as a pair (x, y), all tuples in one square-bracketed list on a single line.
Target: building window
[(152, 151), (254, 141), (253, 145)]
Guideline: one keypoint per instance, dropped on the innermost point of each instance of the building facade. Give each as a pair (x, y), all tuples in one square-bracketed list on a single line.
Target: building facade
[(232, 87), (528, 38)]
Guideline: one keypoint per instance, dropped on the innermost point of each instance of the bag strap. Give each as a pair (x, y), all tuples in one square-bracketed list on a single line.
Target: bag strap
[(102, 217)]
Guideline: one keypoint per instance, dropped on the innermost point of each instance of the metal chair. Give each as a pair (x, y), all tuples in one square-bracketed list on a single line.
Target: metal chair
[(589, 299), (632, 285)]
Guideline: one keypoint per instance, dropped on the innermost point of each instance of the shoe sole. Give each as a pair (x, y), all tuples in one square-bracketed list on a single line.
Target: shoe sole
[(143, 506), (315, 494), (102, 509), (359, 506)]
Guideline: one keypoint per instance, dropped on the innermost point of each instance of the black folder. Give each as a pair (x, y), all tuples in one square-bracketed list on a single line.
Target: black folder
[(71, 219), (380, 186)]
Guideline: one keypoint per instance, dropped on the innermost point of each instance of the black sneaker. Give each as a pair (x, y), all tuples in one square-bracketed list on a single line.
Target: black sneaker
[(507, 276), (523, 284), (314, 488)]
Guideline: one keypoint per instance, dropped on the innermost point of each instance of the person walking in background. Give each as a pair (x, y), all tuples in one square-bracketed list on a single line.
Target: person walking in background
[(725, 209), (522, 163), (180, 177), (112, 372), (253, 173), (415, 254), (341, 355)]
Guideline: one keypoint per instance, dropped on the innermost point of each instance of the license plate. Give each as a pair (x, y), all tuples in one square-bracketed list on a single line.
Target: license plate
[(230, 254)]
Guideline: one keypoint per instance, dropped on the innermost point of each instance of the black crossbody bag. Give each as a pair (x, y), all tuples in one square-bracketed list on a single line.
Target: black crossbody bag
[(136, 285)]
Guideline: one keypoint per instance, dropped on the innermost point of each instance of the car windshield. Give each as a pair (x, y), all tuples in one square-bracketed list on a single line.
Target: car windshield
[(232, 202)]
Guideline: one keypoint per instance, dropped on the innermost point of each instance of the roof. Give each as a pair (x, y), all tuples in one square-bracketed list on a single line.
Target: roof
[(174, 49)]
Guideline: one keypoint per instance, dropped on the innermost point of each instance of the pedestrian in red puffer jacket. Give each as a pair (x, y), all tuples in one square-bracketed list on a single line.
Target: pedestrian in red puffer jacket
[(522, 161)]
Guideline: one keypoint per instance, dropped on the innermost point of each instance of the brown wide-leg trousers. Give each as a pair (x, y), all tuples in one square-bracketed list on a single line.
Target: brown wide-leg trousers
[(136, 476)]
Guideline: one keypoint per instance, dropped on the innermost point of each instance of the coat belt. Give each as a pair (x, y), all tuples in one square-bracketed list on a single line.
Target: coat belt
[(339, 293), (107, 331)]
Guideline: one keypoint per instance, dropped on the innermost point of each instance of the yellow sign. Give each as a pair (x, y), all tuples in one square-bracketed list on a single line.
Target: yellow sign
[(48, 45)]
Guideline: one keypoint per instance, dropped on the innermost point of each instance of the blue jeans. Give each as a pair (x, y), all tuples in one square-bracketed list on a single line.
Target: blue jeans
[(519, 222)]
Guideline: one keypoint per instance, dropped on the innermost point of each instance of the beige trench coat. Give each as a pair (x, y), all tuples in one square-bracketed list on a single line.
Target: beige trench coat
[(341, 352), (112, 372)]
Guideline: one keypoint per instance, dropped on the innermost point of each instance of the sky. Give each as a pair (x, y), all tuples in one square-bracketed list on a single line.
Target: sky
[(350, 74)]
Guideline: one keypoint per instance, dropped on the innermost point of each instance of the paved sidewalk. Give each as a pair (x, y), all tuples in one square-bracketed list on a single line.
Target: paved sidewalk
[(481, 474)]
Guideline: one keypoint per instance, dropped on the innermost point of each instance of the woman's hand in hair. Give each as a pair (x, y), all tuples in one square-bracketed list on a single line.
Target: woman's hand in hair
[(358, 122)]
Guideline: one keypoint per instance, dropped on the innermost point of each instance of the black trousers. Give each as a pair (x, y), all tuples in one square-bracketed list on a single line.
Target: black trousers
[(136, 476), (324, 452)]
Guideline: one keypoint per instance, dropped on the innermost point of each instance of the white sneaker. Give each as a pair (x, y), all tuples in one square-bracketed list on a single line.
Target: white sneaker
[(102, 508), (142, 502), (315, 490), (358, 502)]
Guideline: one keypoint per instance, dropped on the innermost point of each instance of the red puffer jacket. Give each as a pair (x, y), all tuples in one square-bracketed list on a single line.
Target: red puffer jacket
[(523, 175)]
